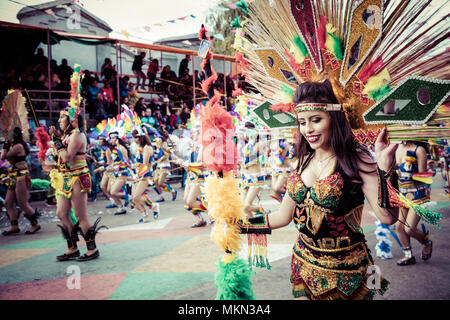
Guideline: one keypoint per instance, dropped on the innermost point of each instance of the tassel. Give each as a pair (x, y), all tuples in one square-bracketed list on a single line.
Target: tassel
[(257, 251), (427, 215)]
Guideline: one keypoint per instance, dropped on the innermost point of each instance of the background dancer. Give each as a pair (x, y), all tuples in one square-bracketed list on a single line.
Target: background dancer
[(18, 183), (252, 168), (281, 158), (144, 173), (411, 158), (162, 161), (119, 157)]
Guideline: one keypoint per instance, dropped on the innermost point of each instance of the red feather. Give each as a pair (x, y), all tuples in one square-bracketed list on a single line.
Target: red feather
[(371, 69), (42, 142), (322, 32), (206, 84), (219, 149)]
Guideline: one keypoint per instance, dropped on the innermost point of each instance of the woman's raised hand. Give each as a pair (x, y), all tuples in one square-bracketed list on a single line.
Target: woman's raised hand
[(384, 152)]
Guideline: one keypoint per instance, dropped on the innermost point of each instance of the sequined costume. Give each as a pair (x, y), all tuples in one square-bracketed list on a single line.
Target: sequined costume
[(120, 164), (16, 174), (144, 171), (414, 191), (195, 169), (251, 158), (161, 157), (70, 173), (281, 158), (330, 258)]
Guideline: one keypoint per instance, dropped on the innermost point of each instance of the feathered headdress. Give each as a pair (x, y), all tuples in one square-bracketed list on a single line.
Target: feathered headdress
[(75, 97), (14, 114), (377, 55)]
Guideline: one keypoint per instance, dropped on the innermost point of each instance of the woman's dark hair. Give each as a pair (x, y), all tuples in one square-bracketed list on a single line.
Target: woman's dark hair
[(18, 138), (347, 150), (143, 140)]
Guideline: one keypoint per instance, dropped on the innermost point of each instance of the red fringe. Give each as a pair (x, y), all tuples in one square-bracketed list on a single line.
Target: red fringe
[(371, 69), (322, 32), (42, 142)]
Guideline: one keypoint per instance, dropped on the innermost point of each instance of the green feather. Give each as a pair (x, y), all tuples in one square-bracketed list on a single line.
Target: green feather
[(337, 47), (287, 90), (235, 23), (380, 92), (299, 43), (243, 5), (39, 184), (233, 280)]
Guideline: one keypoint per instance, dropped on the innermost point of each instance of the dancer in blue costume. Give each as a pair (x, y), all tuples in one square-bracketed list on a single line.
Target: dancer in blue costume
[(412, 158)]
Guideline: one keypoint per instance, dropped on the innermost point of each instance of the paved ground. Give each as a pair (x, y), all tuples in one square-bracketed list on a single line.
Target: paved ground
[(168, 260)]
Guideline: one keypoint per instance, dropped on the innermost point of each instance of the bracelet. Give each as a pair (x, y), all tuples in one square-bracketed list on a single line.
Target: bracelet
[(258, 225), (387, 186)]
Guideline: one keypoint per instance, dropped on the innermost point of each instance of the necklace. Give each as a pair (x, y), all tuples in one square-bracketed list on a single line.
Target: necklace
[(321, 166)]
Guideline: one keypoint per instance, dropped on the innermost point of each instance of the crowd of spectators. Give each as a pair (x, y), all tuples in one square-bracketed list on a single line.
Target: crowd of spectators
[(170, 111)]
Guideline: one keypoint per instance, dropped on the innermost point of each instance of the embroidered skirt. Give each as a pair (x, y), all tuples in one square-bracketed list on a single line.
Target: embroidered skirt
[(330, 274), (68, 178), (15, 175)]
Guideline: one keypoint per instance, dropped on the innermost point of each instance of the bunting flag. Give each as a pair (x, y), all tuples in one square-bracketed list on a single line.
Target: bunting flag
[(149, 27)]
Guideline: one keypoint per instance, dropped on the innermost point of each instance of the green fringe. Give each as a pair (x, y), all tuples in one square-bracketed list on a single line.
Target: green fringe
[(72, 216), (428, 215), (337, 47), (233, 280), (299, 43), (380, 92), (259, 262)]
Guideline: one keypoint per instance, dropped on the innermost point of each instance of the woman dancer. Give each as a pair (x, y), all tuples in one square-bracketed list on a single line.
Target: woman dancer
[(74, 183), (106, 168), (119, 157), (325, 198), (282, 154), (193, 199), (162, 161), (412, 158), (144, 163), (252, 173), (18, 183)]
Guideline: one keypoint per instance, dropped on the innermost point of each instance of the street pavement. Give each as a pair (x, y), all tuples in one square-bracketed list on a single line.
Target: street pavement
[(166, 259)]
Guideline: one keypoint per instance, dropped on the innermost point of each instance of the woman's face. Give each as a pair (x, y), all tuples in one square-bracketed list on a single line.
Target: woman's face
[(114, 141), (63, 121), (315, 126)]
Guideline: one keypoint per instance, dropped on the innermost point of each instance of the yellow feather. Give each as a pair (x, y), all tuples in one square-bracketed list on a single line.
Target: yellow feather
[(377, 81)]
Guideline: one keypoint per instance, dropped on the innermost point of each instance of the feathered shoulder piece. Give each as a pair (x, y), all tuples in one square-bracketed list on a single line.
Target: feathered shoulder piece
[(14, 114)]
